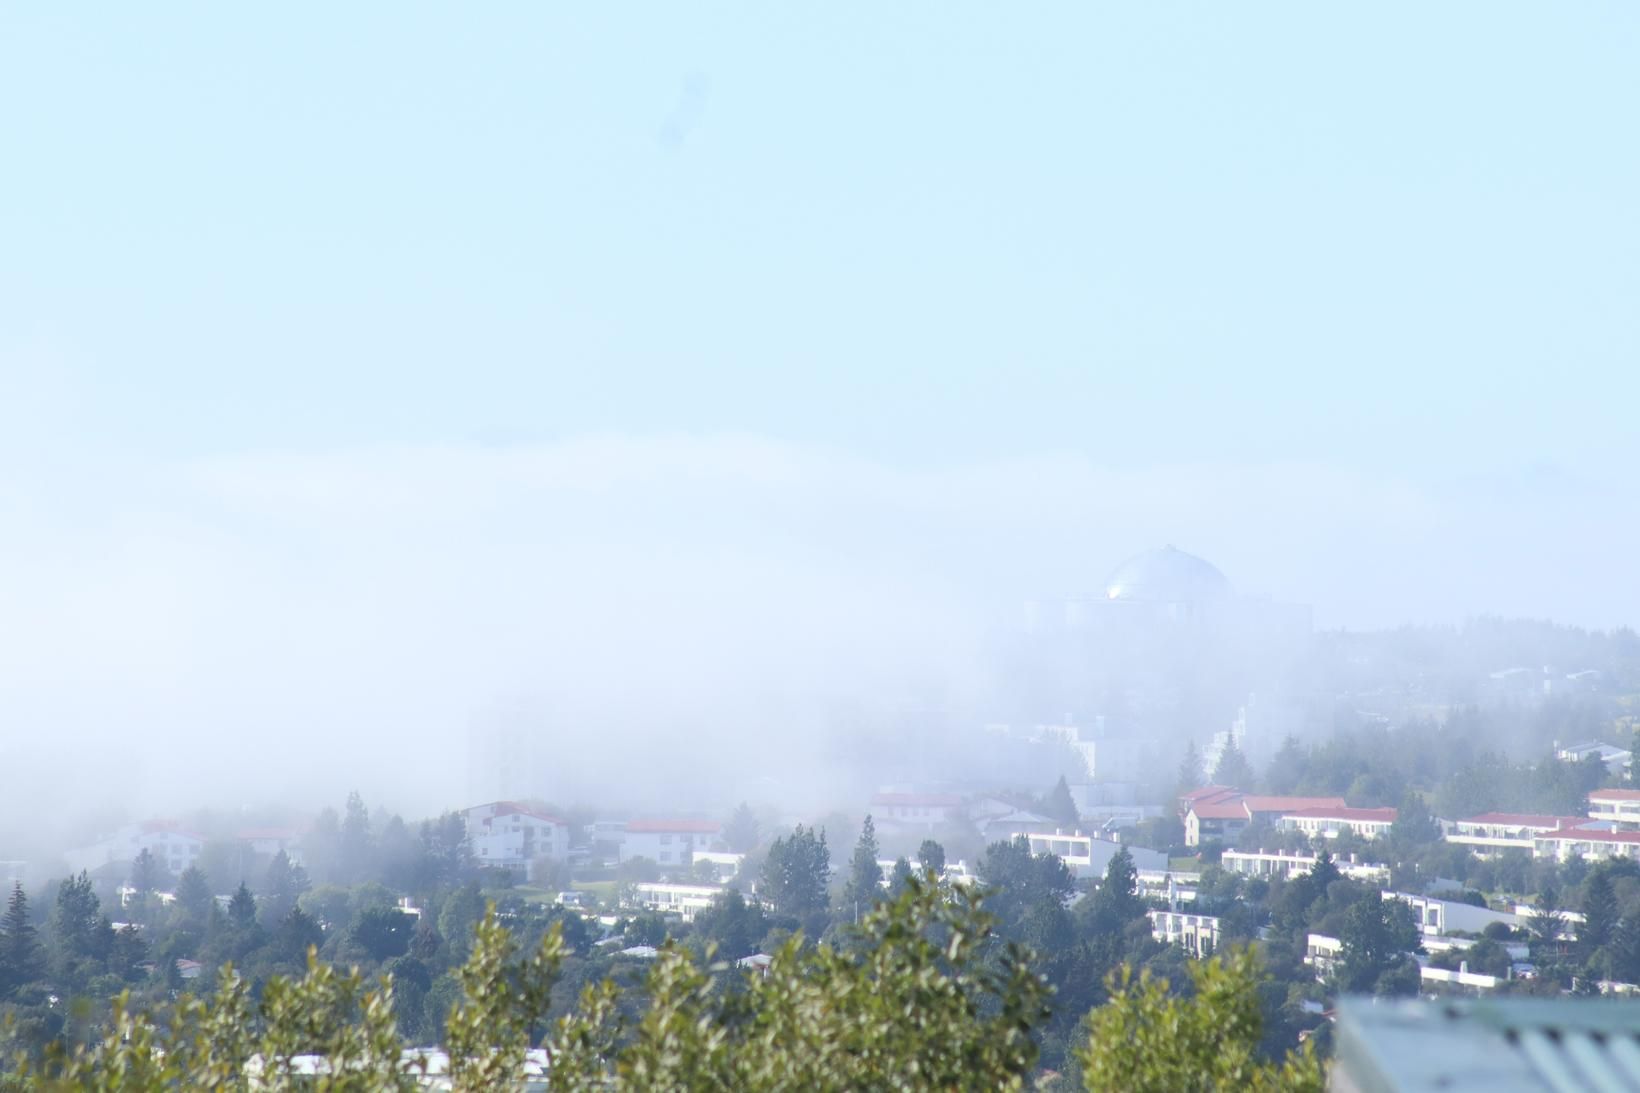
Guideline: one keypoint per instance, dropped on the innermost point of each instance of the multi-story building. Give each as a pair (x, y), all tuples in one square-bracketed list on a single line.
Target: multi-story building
[(1620, 806), (1198, 934), (510, 836), (1439, 917), (668, 842), (915, 810), (1329, 823), (1288, 864), (173, 846), (1592, 844), (1494, 831), (684, 900), (1221, 813), (1088, 855)]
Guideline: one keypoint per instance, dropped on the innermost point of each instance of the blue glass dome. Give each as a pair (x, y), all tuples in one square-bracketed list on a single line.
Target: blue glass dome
[(1166, 576)]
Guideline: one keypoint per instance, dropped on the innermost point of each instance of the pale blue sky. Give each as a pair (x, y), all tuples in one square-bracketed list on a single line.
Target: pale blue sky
[(363, 367), (1373, 236)]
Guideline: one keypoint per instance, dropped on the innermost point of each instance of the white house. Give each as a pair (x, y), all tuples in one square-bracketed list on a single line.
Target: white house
[(1088, 855), (1615, 759), (1288, 864), (1591, 844), (1198, 934), (1621, 806), (1439, 917), (1493, 831), (685, 900), (668, 842), (915, 810), (175, 847), (506, 835), (1329, 823)]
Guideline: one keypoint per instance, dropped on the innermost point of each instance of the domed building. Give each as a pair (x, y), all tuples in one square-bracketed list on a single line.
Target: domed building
[(1167, 577)]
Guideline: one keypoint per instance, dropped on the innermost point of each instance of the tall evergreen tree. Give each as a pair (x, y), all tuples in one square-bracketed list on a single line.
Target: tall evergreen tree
[(356, 846), (1117, 902), (740, 834), (1233, 769), (22, 959), (285, 883), (931, 857), (194, 899), (242, 908), (864, 885), (1599, 925), (1190, 768), (1061, 806), (148, 873), (796, 876)]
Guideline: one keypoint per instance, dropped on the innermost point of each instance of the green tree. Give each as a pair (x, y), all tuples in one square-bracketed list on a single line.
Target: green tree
[(81, 935), (733, 925), (148, 873), (864, 885), (1546, 920), (1116, 902), (242, 908), (1600, 917), (356, 848), (741, 833), (1286, 769), (1148, 1040), (1415, 826), (931, 857), (1190, 768), (796, 876), (285, 883), (22, 958), (1377, 936), (1233, 769), (194, 900), (1060, 806), (1017, 881)]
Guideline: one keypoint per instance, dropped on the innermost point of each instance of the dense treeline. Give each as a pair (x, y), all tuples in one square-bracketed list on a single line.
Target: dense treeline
[(923, 993)]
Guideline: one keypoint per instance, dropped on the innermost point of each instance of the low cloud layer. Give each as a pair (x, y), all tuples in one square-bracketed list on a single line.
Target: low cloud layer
[(681, 611)]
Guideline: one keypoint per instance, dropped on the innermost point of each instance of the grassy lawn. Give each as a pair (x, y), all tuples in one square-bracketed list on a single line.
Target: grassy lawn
[(1183, 865)]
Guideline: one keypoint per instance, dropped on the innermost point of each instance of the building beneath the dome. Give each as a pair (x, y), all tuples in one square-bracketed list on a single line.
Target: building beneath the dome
[(1166, 652)]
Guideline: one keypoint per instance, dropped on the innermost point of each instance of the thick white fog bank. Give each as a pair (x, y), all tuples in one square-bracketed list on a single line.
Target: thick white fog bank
[(668, 618)]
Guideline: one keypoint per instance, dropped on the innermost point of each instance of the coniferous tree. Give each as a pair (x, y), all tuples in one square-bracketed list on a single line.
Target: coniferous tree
[(796, 876), (1233, 769), (864, 885), (1060, 806), (1190, 768), (22, 959), (740, 834), (285, 883), (148, 873), (1599, 924), (931, 857), (194, 899)]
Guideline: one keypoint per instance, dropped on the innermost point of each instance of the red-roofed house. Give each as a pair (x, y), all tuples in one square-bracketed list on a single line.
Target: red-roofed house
[(1508, 830), (508, 835), (1618, 805), (922, 810), (1217, 812), (1582, 842), (1367, 823), (668, 842)]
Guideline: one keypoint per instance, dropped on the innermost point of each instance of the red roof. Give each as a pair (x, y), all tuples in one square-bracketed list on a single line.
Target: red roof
[(1526, 819), (663, 827), (1379, 815), (1219, 810), (1290, 804), (1615, 795), (925, 800)]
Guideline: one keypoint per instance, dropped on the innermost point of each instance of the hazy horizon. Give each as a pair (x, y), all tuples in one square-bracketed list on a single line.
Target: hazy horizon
[(365, 375)]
